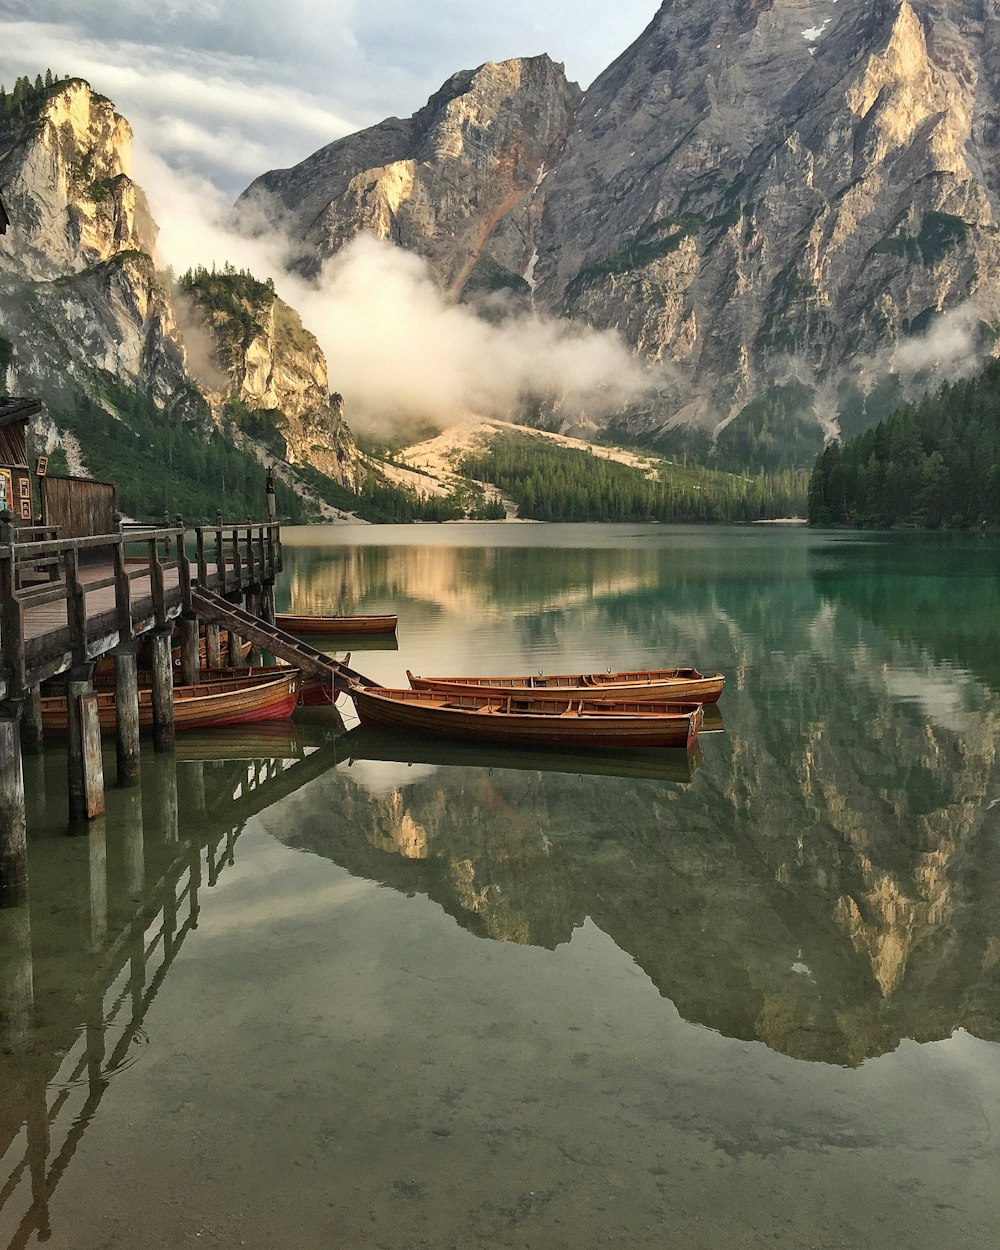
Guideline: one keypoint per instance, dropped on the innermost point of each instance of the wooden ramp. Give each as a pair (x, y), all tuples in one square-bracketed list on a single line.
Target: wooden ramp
[(307, 659)]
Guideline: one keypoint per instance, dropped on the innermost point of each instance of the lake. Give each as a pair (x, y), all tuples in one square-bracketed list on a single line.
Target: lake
[(314, 987)]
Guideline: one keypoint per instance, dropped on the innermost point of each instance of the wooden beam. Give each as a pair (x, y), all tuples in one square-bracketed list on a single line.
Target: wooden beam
[(31, 721), (190, 651)]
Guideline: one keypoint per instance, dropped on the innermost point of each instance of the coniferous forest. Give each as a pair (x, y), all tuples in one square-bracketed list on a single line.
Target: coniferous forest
[(551, 483), (932, 464)]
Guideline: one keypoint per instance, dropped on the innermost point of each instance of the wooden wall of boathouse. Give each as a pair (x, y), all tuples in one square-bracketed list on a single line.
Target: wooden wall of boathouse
[(78, 506)]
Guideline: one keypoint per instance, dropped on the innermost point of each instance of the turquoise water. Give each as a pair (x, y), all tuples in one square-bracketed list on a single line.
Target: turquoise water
[(318, 988)]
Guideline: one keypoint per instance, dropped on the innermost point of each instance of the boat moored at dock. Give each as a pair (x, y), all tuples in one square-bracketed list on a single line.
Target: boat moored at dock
[(241, 700), (540, 720), (686, 685), (334, 626)]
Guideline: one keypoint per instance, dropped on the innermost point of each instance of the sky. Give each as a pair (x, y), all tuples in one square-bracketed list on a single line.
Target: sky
[(228, 90)]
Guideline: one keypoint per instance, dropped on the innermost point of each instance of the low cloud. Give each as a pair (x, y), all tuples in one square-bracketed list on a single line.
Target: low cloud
[(951, 348), (401, 354)]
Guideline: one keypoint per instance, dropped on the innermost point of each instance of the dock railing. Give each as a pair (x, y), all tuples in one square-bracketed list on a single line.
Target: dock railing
[(37, 570), (162, 550), (242, 553)]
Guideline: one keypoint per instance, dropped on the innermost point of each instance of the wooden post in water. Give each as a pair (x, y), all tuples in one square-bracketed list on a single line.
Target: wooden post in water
[(97, 845), (163, 692), (235, 649), (17, 997), (86, 766), (192, 779), (127, 717), (256, 656), (31, 721), (13, 824), (190, 654), (267, 613), (213, 645), (162, 790)]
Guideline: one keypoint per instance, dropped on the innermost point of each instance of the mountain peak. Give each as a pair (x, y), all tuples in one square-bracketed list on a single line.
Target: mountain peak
[(65, 172)]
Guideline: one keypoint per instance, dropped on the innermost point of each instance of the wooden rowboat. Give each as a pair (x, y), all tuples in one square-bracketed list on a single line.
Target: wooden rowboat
[(313, 692), (685, 685), (531, 721), (240, 701), (331, 626)]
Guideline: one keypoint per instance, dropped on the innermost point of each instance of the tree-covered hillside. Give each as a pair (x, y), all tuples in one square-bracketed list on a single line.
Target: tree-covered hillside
[(932, 464), (553, 483)]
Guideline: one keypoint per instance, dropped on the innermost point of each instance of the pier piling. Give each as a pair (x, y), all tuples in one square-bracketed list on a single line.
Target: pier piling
[(13, 825), (31, 721), (190, 656), (213, 645), (163, 692), (17, 998), (127, 718), (85, 762)]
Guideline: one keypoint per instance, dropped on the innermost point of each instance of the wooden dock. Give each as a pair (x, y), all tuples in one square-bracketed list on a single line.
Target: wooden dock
[(66, 603)]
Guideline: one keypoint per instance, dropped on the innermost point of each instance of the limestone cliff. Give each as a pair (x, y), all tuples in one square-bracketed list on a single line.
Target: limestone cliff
[(64, 168), (276, 382), (781, 187), (456, 182), (79, 291)]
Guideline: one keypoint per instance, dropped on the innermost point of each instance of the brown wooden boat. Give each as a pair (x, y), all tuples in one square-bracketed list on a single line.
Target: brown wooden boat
[(685, 685), (224, 701), (529, 721), (331, 626), (314, 691)]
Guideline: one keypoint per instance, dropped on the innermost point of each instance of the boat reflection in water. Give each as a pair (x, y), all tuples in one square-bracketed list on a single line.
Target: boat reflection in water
[(673, 764)]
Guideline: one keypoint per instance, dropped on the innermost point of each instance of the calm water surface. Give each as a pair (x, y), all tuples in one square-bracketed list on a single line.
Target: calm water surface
[(319, 988)]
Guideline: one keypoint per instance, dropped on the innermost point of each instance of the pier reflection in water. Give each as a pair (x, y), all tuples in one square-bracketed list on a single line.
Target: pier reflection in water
[(446, 996), (83, 960)]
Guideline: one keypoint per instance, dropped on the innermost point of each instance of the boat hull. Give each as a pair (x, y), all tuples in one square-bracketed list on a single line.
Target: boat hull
[(332, 626), (529, 722), (660, 685), (209, 705), (313, 691)]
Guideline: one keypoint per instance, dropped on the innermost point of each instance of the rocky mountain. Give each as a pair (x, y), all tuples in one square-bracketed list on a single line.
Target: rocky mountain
[(768, 197), (92, 327), (455, 182), (272, 376), (76, 263)]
